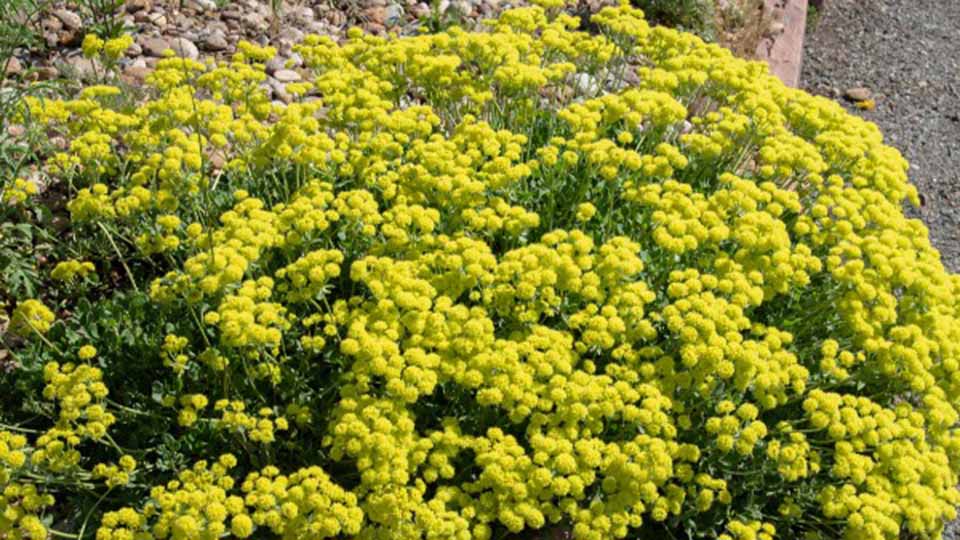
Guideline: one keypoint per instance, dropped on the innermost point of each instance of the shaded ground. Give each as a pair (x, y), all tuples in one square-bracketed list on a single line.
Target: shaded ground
[(905, 52)]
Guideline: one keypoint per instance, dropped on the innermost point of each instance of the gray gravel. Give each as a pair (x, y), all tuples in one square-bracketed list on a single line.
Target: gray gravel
[(907, 52)]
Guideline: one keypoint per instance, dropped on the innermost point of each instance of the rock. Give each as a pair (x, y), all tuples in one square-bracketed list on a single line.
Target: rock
[(154, 46), (318, 27), (16, 130), (858, 93), (291, 34), (275, 64), (59, 142), (81, 67), (217, 159), (420, 10), (134, 6), (134, 50), (157, 19), (394, 15), (13, 66), (301, 14), (585, 83), (375, 28), (214, 42), (286, 75), (375, 15), (204, 5), (776, 28), (70, 20), (184, 48), (462, 8), (69, 38), (135, 75), (254, 21), (336, 18), (279, 91), (46, 73), (51, 24)]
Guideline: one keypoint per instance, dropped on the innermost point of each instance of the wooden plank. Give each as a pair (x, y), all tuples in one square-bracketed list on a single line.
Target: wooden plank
[(783, 50)]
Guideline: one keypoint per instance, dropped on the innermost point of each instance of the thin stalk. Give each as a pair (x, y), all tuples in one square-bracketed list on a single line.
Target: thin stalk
[(86, 520), (123, 261)]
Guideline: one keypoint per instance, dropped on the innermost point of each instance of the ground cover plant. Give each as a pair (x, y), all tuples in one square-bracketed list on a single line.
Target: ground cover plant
[(471, 285)]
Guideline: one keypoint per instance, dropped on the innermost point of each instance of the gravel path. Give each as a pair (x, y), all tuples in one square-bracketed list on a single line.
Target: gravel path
[(905, 53)]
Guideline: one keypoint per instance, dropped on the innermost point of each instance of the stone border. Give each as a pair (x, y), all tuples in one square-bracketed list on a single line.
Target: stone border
[(782, 49)]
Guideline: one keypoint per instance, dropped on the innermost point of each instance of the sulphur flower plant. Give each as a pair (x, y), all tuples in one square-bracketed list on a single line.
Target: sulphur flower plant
[(468, 285)]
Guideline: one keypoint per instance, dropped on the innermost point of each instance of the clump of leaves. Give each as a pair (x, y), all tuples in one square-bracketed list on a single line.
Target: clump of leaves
[(442, 16), (104, 16), (695, 16), (18, 27)]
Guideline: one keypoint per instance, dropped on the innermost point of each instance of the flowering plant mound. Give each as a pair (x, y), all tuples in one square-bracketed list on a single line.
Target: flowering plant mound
[(479, 283)]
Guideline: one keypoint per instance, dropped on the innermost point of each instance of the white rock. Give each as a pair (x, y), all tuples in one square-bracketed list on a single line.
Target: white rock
[(13, 66), (394, 14), (584, 83), (286, 75), (205, 5), (215, 41), (185, 48), (275, 64), (154, 46), (70, 20)]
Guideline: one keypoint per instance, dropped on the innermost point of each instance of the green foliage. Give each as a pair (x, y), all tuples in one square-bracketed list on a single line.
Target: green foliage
[(690, 15), (18, 19), (104, 16), (439, 21), (813, 16), (487, 286)]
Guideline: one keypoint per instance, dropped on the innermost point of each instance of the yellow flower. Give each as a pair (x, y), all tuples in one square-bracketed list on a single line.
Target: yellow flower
[(585, 211), (30, 316)]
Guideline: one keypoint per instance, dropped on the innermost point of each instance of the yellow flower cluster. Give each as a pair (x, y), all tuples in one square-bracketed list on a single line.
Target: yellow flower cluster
[(245, 319), (21, 504), (261, 427), (112, 49), (20, 508), (203, 503), (79, 393), (30, 316), (72, 269), (308, 275), (115, 475), (19, 192), (496, 286)]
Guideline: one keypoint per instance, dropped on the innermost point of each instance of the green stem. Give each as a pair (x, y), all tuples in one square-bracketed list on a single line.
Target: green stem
[(86, 520), (47, 342), (123, 261), (61, 534), (124, 408), (18, 429)]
